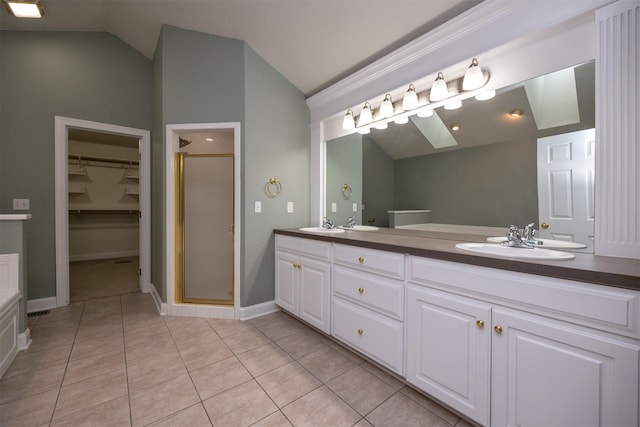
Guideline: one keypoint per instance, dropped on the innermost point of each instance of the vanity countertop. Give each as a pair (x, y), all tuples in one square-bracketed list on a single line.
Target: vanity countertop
[(609, 271)]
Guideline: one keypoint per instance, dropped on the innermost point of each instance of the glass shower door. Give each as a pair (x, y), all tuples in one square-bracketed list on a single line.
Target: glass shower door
[(205, 228)]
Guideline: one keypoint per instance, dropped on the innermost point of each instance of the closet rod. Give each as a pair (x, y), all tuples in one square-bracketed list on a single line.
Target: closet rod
[(103, 211), (102, 159)]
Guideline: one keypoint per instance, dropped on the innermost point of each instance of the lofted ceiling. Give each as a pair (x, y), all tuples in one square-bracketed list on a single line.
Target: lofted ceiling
[(313, 43)]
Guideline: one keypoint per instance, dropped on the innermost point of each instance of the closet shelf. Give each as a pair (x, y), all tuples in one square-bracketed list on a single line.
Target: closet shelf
[(77, 189), (81, 158), (132, 191)]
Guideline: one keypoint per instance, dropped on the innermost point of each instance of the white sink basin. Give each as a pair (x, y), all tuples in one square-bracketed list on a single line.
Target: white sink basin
[(508, 252), (546, 243), (360, 228), (322, 230)]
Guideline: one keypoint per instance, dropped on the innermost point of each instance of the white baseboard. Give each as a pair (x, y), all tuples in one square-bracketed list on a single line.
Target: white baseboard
[(24, 340), (103, 255), (257, 310), (161, 306), (41, 304)]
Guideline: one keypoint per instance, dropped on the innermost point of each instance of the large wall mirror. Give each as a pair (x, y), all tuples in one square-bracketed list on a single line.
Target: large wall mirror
[(524, 156)]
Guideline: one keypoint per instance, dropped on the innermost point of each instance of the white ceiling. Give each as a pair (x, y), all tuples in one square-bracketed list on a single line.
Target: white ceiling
[(313, 43)]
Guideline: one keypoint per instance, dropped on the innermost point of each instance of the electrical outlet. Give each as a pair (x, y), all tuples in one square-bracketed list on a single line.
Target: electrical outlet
[(289, 207), (20, 204), (334, 207), (355, 207), (258, 206)]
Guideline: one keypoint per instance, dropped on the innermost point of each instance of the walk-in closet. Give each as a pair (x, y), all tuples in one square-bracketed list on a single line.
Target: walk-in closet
[(104, 188)]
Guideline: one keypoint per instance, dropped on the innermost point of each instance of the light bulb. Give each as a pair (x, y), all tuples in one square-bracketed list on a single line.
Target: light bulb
[(484, 96), (366, 117), (453, 105), (439, 90), (401, 120), (410, 100), (474, 77), (348, 123), (426, 112), (386, 108)]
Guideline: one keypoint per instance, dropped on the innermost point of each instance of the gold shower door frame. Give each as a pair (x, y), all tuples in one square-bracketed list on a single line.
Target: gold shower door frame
[(179, 234)]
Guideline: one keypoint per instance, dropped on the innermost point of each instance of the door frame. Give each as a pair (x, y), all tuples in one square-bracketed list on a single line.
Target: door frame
[(172, 147), (62, 125)]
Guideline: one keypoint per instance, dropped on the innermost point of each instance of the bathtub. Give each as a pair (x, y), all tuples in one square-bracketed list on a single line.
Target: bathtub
[(9, 298)]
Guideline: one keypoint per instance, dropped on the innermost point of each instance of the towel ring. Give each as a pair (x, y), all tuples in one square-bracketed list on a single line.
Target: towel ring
[(273, 187), (346, 191)]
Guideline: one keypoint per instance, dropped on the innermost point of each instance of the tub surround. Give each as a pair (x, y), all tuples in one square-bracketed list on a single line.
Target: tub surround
[(13, 239), (601, 270)]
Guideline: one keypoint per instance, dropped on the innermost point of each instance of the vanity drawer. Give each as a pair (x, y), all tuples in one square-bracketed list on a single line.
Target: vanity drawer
[(308, 247), (379, 293), (375, 335), (386, 263)]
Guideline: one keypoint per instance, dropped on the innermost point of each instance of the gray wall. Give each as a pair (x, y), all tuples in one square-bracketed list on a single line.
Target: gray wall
[(88, 76), (211, 79), (276, 143), (491, 185), (344, 166), (378, 183)]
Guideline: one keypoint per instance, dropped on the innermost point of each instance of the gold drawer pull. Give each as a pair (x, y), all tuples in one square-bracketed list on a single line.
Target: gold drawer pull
[(480, 323), (361, 290), (498, 329), (360, 331), (361, 259)]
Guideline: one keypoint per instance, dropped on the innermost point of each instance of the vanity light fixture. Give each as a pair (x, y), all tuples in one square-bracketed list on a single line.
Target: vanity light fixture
[(366, 116), (386, 108), (485, 96), (454, 127), (364, 131), (474, 77), (348, 123), (439, 90), (517, 113), (453, 105), (381, 125), (401, 120), (24, 8), (410, 100)]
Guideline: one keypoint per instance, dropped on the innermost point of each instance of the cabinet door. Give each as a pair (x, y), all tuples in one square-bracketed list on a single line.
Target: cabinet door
[(551, 374), (449, 349), (286, 277), (314, 293)]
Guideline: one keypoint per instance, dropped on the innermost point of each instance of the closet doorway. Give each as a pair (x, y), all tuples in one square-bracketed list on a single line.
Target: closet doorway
[(104, 210), (87, 156)]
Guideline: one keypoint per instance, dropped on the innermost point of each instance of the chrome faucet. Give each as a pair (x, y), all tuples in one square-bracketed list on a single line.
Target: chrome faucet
[(529, 235), (328, 224), (351, 222), (514, 239)]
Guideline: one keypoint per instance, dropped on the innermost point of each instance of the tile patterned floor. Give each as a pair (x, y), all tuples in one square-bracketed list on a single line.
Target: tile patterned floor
[(115, 362)]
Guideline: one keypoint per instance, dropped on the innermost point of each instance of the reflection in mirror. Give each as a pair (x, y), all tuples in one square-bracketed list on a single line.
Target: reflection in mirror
[(481, 177)]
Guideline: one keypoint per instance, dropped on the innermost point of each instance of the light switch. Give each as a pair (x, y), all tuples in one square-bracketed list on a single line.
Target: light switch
[(20, 204), (355, 207), (258, 206), (334, 207), (289, 207)]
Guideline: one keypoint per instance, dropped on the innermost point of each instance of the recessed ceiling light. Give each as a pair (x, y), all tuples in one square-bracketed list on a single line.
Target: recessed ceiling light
[(209, 139), (454, 127), (24, 8), (516, 113)]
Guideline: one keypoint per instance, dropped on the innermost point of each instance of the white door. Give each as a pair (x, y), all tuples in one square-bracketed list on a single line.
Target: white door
[(548, 374), (566, 187)]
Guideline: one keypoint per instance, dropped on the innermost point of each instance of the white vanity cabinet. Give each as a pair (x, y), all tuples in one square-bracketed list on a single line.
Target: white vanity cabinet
[(514, 349), (303, 279), (368, 303)]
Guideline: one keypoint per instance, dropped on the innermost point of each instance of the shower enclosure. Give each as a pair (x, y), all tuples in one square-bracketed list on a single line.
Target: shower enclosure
[(204, 228)]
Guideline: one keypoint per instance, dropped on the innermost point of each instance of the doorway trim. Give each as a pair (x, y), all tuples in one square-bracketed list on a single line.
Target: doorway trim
[(172, 147), (62, 125)]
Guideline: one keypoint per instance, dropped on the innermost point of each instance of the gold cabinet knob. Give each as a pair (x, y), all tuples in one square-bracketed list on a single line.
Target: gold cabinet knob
[(361, 291), (360, 331), (361, 259), (498, 329), (544, 225), (480, 323)]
